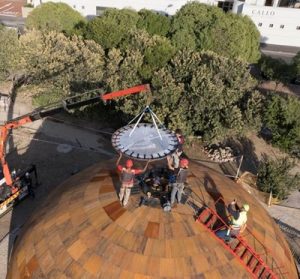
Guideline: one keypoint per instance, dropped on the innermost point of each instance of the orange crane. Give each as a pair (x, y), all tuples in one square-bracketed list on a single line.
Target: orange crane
[(12, 183)]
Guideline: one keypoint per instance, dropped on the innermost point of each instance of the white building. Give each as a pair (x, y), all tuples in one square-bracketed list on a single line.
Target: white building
[(277, 20)]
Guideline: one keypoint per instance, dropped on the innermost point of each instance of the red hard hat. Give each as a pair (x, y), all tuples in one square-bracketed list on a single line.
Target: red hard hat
[(129, 163), (184, 162)]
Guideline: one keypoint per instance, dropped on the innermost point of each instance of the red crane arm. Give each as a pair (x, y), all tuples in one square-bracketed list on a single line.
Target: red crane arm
[(67, 104), (132, 90)]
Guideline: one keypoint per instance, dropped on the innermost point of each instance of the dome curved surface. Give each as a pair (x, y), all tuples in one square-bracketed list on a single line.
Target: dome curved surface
[(81, 231)]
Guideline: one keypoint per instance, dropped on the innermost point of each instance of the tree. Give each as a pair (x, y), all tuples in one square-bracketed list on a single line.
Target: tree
[(281, 116), (296, 64), (111, 28), (214, 87), (157, 51), (56, 59), (209, 28), (274, 176), (276, 69), (51, 16), (200, 92), (9, 51), (153, 23)]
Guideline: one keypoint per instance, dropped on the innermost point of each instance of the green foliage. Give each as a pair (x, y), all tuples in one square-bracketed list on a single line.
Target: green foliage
[(51, 16), (202, 93), (274, 175), (296, 64), (9, 51), (214, 87), (47, 96), (157, 51), (282, 117), (153, 23), (111, 28), (28, 5), (276, 69), (59, 60), (203, 27), (252, 107)]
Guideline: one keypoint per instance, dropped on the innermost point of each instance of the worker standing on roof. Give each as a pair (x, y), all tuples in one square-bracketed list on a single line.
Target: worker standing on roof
[(174, 159), (181, 178), (127, 179), (238, 221)]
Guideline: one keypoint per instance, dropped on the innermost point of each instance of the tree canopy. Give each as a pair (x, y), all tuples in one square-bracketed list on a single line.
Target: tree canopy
[(282, 117), (9, 51), (296, 64), (111, 28), (202, 93), (154, 23), (205, 93), (53, 57), (202, 27), (51, 16), (276, 69), (274, 176)]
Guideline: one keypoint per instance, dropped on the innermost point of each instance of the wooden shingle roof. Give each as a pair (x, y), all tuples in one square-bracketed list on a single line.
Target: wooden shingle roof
[(81, 231)]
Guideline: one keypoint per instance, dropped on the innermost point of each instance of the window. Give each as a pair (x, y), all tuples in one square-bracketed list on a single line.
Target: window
[(271, 25), (82, 7), (269, 3), (298, 27), (225, 5), (100, 10), (260, 24), (74, 6), (281, 26)]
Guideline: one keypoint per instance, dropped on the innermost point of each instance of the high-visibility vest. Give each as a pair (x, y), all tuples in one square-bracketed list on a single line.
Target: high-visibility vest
[(238, 223)]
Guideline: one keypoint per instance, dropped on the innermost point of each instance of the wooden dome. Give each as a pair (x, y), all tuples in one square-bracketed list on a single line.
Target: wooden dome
[(81, 231)]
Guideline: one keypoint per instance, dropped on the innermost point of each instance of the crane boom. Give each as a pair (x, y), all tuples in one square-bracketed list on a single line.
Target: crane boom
[(73, 102)]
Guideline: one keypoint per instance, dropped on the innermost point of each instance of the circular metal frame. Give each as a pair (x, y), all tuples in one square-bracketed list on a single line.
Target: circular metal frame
[(145, 141)]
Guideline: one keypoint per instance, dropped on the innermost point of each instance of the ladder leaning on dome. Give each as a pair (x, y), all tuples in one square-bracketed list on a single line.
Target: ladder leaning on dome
[(259, 265), (12, 184)]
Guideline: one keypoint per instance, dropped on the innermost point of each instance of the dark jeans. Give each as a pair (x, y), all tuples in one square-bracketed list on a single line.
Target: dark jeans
[(227, 234)]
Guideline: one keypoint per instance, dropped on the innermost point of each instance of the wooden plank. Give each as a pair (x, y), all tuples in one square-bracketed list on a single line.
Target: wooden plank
[(152, 230), (114, 210)]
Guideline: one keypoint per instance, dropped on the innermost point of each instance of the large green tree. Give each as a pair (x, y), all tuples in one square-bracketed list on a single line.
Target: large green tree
[(202, 93), (9, 51), (276, 69), (203, 27), (59, 60), (51, 16), (282, 117), (296, 64), (157, 51), (153, 23), (275, 176), (111, 28)]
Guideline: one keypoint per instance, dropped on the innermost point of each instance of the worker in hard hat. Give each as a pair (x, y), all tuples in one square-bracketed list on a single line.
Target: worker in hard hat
[(181, 178), (127, 179), (237, 221)]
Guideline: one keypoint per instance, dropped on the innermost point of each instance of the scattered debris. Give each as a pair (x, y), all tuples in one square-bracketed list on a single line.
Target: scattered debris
[(219, 153)]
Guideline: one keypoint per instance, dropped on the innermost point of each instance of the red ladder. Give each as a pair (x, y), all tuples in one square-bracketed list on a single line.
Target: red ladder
[(258, 265)]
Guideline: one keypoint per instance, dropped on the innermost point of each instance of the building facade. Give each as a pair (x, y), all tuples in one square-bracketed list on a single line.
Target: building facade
[(278, 21)]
